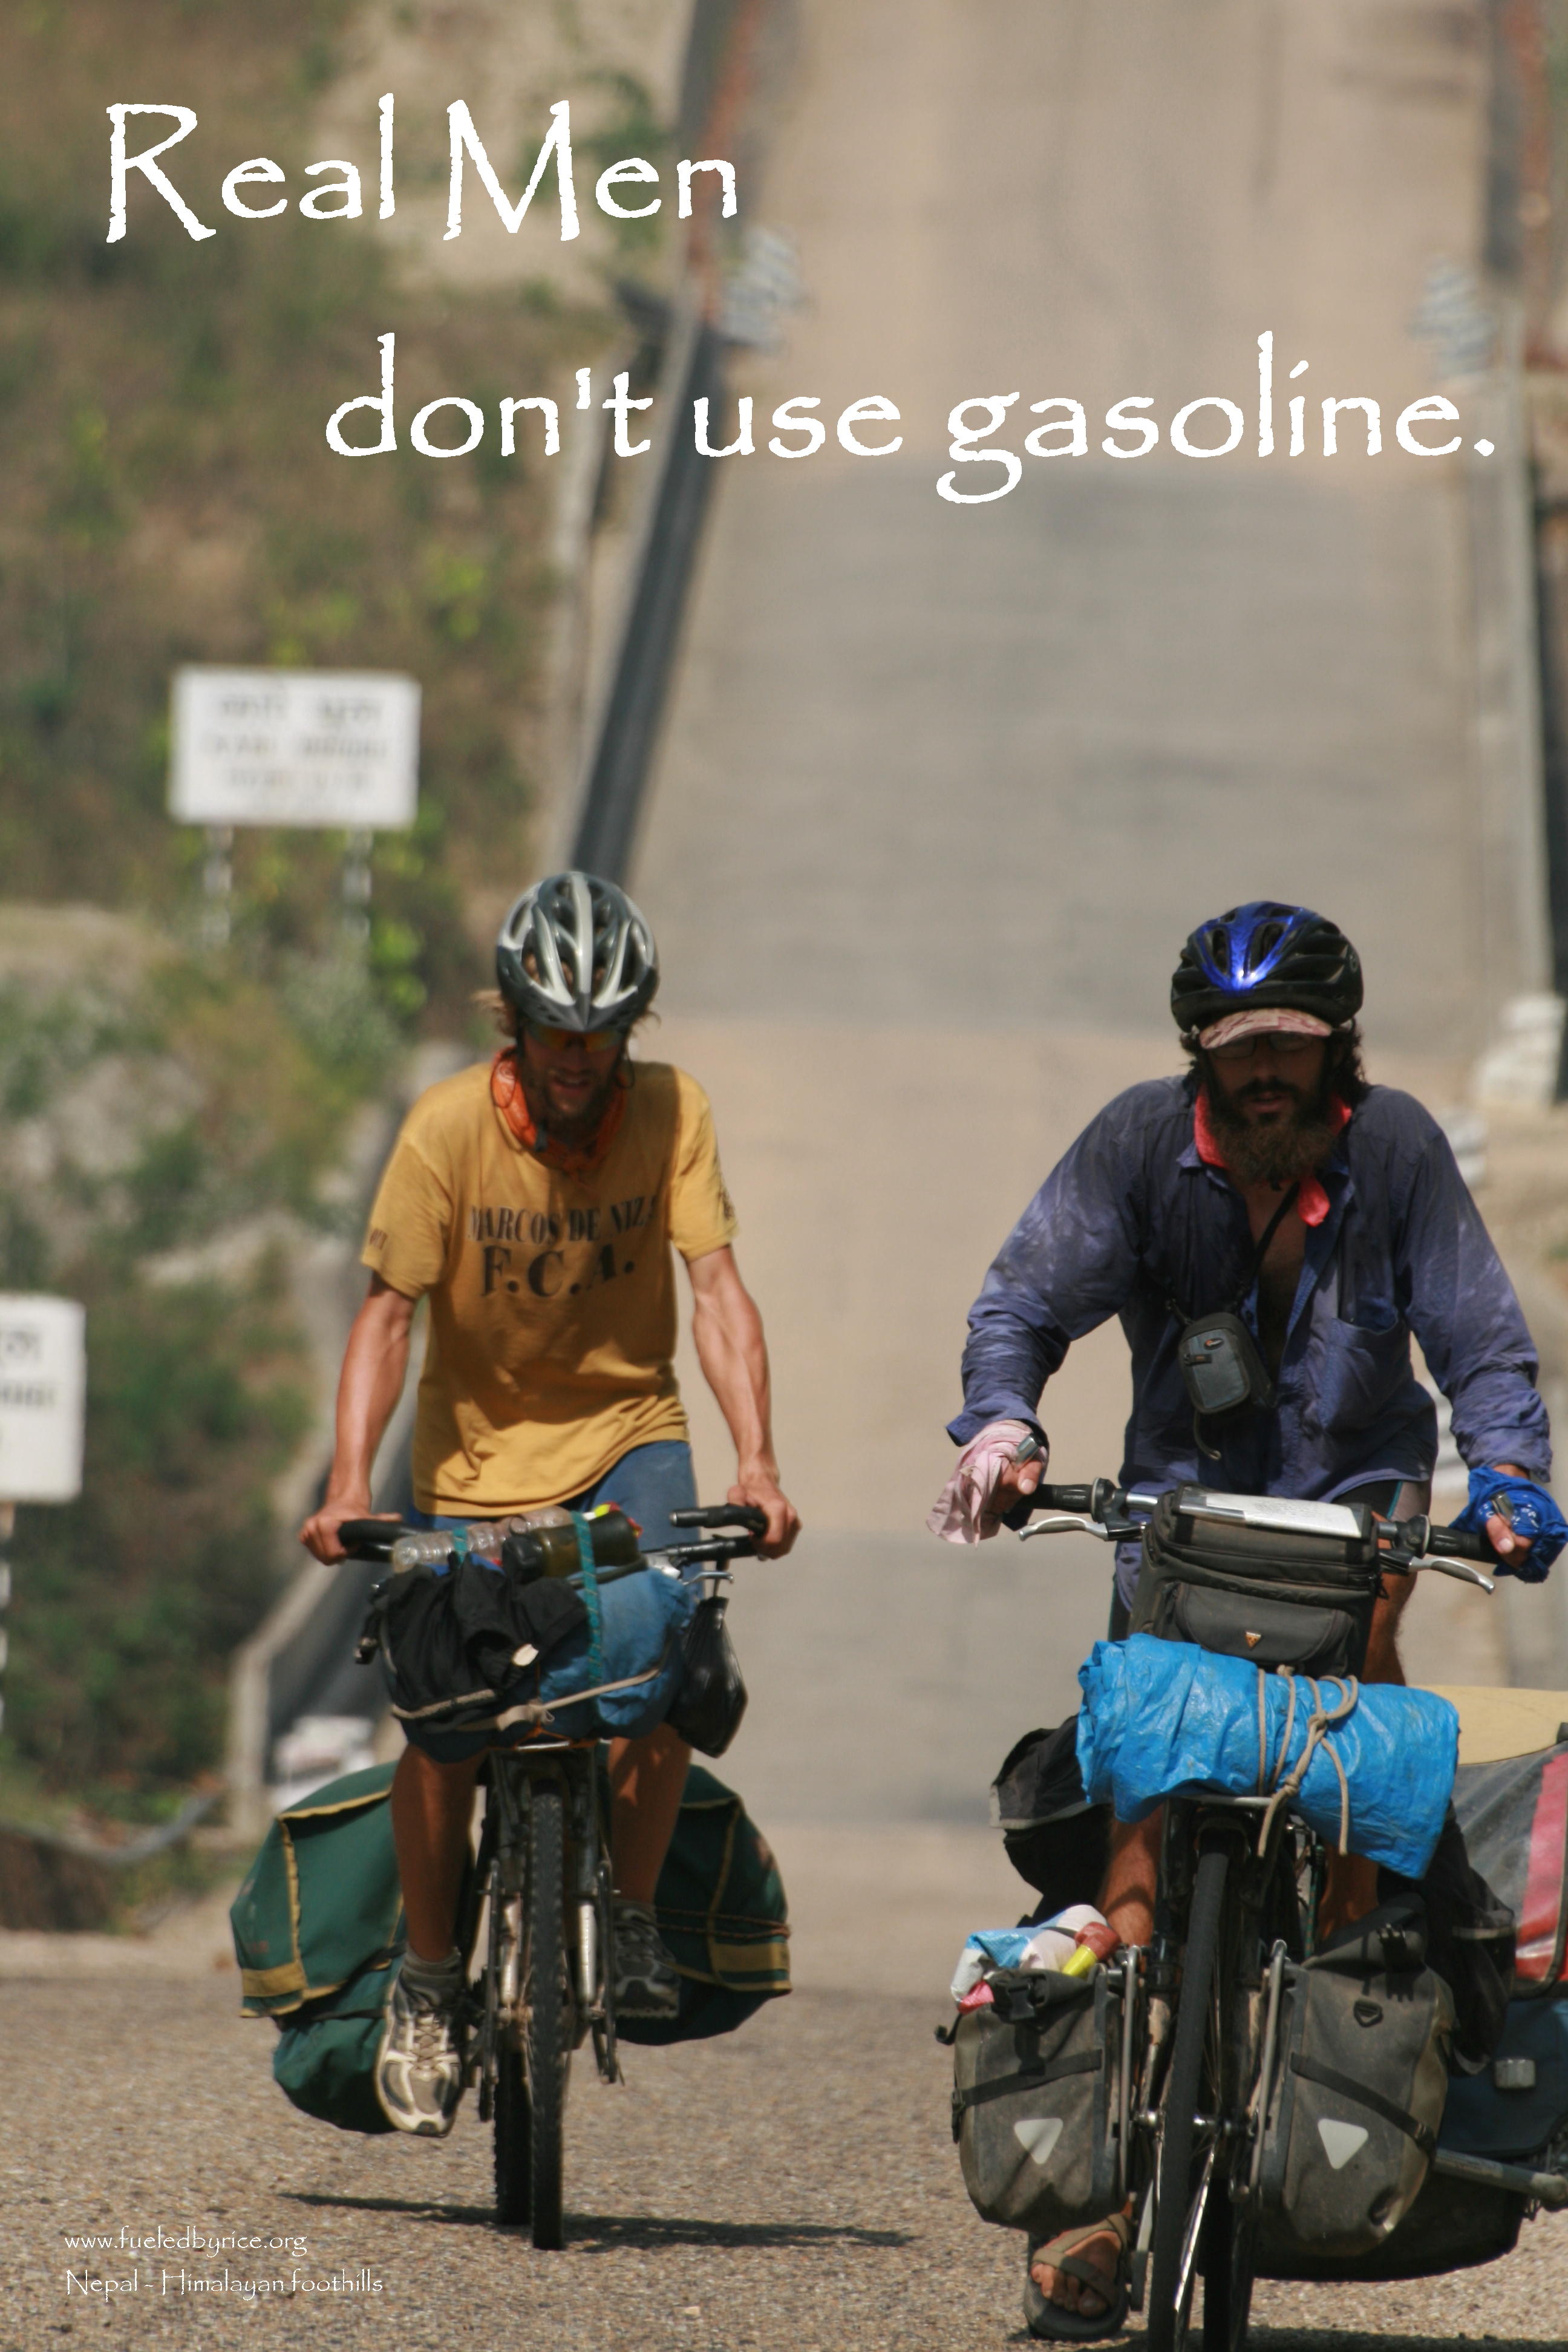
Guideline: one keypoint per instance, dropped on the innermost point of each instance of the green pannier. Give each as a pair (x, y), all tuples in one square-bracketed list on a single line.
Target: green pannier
[(317, 1934), (320, 1903), (723, 1915)]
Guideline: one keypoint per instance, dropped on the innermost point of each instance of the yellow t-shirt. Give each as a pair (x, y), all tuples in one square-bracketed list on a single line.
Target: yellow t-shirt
[(552, 1309)]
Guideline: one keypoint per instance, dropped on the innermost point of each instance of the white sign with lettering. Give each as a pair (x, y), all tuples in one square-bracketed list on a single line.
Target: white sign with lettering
[(43, 1388), (293, 746)]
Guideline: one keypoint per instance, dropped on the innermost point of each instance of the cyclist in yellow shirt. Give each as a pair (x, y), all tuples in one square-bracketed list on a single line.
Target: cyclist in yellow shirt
[(533, 1202)]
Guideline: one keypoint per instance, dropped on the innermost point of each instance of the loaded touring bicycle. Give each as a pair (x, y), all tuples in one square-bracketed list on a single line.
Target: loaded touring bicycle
[(1249, 2098), (318, 1923)]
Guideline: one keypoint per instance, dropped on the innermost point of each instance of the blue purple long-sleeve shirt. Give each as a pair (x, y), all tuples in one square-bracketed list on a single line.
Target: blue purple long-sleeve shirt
[(1133, 1218)]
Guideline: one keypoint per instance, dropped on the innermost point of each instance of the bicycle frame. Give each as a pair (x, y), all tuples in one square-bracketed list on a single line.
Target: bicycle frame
[(501, 1877)]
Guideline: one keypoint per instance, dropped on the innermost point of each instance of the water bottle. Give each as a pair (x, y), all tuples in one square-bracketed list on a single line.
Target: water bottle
[(552, 1531), (615, 1538)]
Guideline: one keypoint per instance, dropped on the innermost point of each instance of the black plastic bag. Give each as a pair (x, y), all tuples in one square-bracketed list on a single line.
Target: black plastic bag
[(1470, 1942), (707, 1714), (1054, 1837)]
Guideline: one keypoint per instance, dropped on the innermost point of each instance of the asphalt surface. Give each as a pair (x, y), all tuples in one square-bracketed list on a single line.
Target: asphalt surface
[(793, 2185), (943, 788)]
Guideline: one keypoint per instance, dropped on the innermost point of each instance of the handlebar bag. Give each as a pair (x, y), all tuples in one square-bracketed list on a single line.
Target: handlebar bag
[(611, 1674), (1360, 2078), (1278, 1599), (1034, 2087)]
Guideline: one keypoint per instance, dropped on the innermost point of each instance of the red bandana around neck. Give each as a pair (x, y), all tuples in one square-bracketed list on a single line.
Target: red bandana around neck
[(1311, 1201), (569, 1158)]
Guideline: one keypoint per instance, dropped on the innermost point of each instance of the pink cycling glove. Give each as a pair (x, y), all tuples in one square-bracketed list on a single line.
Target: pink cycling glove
[(961, 1513)]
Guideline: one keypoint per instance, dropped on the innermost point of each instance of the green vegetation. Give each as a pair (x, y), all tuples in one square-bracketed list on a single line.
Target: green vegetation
[(144, 1117), (170, 494), (170, 497)]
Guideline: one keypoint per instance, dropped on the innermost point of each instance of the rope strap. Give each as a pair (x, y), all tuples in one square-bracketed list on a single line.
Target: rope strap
[(584, 1528), (1320, 1723)]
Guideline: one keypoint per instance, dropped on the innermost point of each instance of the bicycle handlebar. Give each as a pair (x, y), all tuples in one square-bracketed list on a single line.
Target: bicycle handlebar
[(1403, 1544), (723, 1514), (371, 1539)]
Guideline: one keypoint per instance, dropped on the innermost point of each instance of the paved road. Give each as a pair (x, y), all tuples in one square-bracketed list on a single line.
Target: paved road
[(943, 789), (793, 2188)]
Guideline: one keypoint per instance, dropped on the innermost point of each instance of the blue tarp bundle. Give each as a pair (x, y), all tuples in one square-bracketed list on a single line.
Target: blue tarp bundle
[(1166, 1718)]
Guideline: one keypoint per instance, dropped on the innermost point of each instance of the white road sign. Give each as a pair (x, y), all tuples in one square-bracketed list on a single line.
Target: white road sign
[(43, 1386), (292, 746)]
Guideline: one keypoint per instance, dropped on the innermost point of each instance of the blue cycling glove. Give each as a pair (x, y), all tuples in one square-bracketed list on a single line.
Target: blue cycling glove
[(1535, 1514)]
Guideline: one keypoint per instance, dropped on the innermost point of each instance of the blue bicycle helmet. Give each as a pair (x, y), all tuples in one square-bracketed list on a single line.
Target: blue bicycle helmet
[(1262, 956)]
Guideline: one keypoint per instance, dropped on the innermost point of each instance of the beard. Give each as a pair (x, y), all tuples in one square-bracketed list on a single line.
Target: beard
[(1283, 1150), (577, 1128)]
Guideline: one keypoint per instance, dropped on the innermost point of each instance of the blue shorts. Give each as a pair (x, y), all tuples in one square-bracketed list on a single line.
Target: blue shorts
[(647, 1484)]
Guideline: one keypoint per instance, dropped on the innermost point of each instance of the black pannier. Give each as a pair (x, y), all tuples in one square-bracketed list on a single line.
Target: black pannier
[(1279, 1597), (1357, 2083), (1034, 2101)]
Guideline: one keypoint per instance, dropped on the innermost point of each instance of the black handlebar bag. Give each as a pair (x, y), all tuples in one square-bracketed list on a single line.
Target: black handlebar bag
[(1033, 2083), (1278, 1597)]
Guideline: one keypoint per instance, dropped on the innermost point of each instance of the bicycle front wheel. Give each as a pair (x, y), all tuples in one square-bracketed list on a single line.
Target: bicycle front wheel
[(547, 2042), (513, 2140), (1229, 2254), (1183, 2179)]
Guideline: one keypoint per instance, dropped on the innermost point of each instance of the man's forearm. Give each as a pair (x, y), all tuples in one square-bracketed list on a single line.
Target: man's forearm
[(376, 1364), (733, 1355)]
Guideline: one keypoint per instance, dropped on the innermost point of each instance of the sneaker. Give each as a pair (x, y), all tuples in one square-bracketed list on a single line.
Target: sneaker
[(419, 2065), (647, 1984)]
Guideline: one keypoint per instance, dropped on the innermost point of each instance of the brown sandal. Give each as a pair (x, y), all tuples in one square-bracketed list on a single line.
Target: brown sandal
[(1053, 2321)]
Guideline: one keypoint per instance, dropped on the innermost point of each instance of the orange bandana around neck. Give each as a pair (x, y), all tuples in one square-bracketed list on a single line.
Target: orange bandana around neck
[(576, 1160), (1311, 1201)]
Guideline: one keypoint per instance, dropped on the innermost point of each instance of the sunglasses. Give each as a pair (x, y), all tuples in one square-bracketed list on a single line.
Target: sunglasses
[(1283, 1043), (593, 1040)]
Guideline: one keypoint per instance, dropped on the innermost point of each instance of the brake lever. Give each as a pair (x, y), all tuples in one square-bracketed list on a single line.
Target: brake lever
[(1063, 1522), (1457, 1568)]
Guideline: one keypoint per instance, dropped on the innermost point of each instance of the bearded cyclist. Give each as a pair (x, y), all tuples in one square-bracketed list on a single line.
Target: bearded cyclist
[(1152, 1215), (533, 1202)]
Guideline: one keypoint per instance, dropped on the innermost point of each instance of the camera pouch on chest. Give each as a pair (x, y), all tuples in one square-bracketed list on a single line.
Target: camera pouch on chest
[(1220, 1366)]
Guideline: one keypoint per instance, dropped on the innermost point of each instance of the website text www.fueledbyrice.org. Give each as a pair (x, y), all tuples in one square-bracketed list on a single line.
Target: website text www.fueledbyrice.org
[(153, 2262)]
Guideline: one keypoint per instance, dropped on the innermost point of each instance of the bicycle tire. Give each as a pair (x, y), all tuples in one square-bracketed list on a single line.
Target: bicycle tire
[(547, 2042), (1229, 2254), (1167, 2324), (513, 2127)]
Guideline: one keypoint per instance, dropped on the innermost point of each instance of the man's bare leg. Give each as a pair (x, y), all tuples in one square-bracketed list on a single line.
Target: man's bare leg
[(432, 1805), (647, 1777), (1127, 1899)]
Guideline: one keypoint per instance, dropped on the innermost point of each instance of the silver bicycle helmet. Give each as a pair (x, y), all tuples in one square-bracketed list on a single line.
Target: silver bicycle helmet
[(574, 953)]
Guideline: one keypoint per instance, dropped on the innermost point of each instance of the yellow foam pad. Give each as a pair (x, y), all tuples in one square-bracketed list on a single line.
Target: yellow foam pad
[(1496, 1724)]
